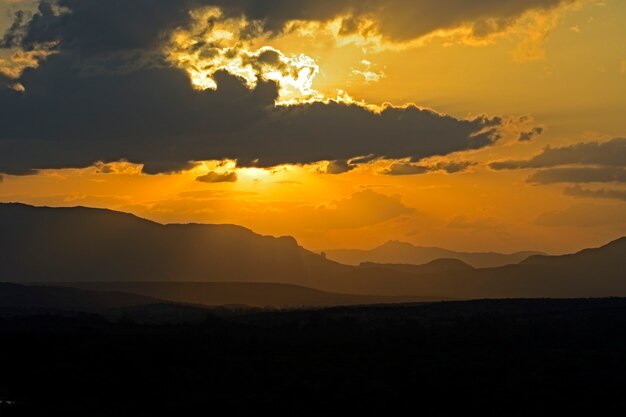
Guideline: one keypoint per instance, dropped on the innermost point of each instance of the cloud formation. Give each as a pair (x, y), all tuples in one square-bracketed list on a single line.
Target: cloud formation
[(216, 177), (109, 93), (587, 162), (578, 175), (450, 167), (530, 134), (611, 153), (584, 215), (605, 193)]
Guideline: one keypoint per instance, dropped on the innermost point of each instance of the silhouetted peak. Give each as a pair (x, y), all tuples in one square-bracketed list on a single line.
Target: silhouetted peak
[(396, 244), (20, 209), (617, 243), (449, 264)]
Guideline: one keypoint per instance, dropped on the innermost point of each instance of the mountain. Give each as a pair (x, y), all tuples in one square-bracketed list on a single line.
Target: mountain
[(605, 259), (42, 244), (82, 245), (597, 272), (394, 252), (437, 266)]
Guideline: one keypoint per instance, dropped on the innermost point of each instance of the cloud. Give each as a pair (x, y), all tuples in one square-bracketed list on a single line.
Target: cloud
[(361, 209), (402, 168), (215, 177), (530, 134), (368, 73), (397, 20), (104, 89), (584, 215), (606, 193), (405, 20), (611, 153), (578, 175), (152, 115), (579, 163), (339, 167)]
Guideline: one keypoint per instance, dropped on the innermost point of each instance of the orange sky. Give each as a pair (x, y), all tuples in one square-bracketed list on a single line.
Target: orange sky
[(563, 70)]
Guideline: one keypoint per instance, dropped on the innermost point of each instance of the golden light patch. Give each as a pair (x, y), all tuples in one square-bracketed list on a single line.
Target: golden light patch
[(214, 43)]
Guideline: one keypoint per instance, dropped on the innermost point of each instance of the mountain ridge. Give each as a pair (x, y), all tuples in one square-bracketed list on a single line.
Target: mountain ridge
[(90, 245), (398, 252)]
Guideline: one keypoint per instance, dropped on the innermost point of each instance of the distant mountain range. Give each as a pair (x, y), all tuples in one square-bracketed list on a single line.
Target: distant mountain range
[(394, 252), (223, 264), (598, 272)]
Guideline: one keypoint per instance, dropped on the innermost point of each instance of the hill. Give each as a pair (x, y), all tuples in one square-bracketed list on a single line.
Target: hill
[(248, 294), (89, 245), (394, 252), (597, 272), (42, 244)]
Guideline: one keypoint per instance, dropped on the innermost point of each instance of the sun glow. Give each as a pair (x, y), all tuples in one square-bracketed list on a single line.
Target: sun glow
[(214, 43)]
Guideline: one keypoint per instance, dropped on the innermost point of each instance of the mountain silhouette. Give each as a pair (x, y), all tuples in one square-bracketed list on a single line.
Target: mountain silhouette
[(597, 272), (443, 265), (394, 252), (42, 244), (81, 245)]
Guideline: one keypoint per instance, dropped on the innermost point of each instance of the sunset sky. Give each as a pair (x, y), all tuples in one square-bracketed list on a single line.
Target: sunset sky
[(468, 124)]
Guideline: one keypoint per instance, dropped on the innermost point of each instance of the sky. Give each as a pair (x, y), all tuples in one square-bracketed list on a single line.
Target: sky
[(471, 125)]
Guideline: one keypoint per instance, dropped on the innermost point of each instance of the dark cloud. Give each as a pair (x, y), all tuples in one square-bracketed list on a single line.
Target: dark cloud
[(415, 169), (606, 193), (530, 134), (398, 19), (611, 153), (585, 215), (14, 34), (215, 177), (153, 116), (578, 175), (406, 169), (339, 167), (5, 81), (96, 26), (107, 95), (453, 167)]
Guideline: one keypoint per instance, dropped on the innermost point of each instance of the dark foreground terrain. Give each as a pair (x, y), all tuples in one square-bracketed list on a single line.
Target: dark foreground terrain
[(506, 357)]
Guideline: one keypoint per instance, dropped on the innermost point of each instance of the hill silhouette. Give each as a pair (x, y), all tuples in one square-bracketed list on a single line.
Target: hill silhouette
[(42, 244), (597, 272), (248, 294), (82, 245), (395, 252)]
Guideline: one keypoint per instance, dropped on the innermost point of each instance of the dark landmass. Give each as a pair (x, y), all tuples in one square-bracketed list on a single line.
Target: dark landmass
[(42, 244), (597, 272), (90, 245), (13, 296), (394, 252), (248, 294), (490, 358)]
